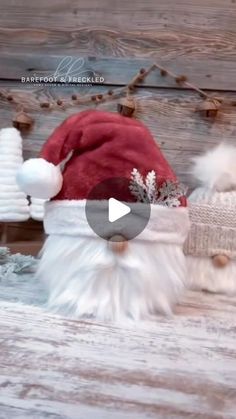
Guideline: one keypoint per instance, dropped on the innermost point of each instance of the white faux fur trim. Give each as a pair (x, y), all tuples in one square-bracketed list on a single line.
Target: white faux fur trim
[(86, 279), (167, 225)]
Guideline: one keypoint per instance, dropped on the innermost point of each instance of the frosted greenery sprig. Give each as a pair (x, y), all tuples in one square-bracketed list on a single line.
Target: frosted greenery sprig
[(147, 190), (15, 263)]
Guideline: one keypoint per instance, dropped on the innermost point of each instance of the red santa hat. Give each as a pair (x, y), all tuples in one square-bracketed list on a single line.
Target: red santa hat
[(98, 146)]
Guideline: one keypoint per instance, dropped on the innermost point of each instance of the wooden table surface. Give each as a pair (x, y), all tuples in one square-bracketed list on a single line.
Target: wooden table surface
[(53, 367)]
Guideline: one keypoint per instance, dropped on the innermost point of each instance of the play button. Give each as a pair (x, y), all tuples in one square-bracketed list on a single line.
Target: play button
[(116, 210), (112, 210)]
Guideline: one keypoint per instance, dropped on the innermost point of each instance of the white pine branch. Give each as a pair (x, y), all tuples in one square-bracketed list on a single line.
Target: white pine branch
[(137, 186), (147, 190), (151, 186), (169, 194)]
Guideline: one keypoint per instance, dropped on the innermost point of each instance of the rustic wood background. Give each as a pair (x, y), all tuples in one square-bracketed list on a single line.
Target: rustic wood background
[(116, 38), (58, 368)]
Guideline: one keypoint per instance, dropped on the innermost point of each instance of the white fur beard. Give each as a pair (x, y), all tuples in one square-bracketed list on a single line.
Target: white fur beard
[(203, 275), (86, 279)]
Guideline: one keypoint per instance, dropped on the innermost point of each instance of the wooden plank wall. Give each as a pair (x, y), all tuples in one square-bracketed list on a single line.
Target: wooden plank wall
[(115, 39)]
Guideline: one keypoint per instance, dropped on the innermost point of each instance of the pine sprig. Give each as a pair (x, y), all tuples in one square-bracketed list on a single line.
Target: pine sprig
[(168, 194), (137, 186), (15, 264), (151, 186)]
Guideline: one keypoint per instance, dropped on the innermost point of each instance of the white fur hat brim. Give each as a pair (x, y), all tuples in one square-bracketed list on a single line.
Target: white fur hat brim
[(167, 225)]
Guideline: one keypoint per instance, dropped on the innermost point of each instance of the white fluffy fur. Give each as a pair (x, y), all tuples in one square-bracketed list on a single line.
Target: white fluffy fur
[(39, 178), (86, 279), (216, 169), (203, 275)]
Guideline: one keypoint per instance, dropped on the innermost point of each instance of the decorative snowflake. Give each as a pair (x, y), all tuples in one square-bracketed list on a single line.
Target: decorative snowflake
[(146, 190)]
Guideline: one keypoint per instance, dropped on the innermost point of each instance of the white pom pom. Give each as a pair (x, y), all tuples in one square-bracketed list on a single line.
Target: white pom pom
[(216, 169), (39, 178)]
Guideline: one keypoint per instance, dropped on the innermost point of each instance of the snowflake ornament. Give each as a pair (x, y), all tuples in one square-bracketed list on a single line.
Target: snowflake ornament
[(146, 190)]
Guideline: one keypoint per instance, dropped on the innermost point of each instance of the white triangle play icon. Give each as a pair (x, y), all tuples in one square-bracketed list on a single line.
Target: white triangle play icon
[(116, 210)]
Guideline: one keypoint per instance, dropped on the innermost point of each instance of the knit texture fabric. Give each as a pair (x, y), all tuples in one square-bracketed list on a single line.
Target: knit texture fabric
[(213, 223)]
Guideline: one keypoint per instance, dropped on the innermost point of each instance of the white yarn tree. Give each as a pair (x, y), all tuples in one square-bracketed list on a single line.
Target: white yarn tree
[(37, 208), (13, 202)]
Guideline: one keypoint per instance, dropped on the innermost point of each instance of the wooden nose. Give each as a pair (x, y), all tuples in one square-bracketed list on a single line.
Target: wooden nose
[(220, 261), (118, 244)]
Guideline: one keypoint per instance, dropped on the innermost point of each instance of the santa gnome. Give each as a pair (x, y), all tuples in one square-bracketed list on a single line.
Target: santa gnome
[(211, 243), (87, 276)]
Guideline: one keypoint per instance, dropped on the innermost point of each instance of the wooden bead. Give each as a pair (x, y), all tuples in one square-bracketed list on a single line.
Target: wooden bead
[(163, 72), (181, 79), (140, 78), (209, 108), (131, 88), (126, 107), (22, 121), (118, 244), (44, 105), (220, 261)]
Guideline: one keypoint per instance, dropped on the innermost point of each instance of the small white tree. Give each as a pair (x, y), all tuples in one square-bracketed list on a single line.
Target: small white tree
[(13, 202), (37, 208)]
